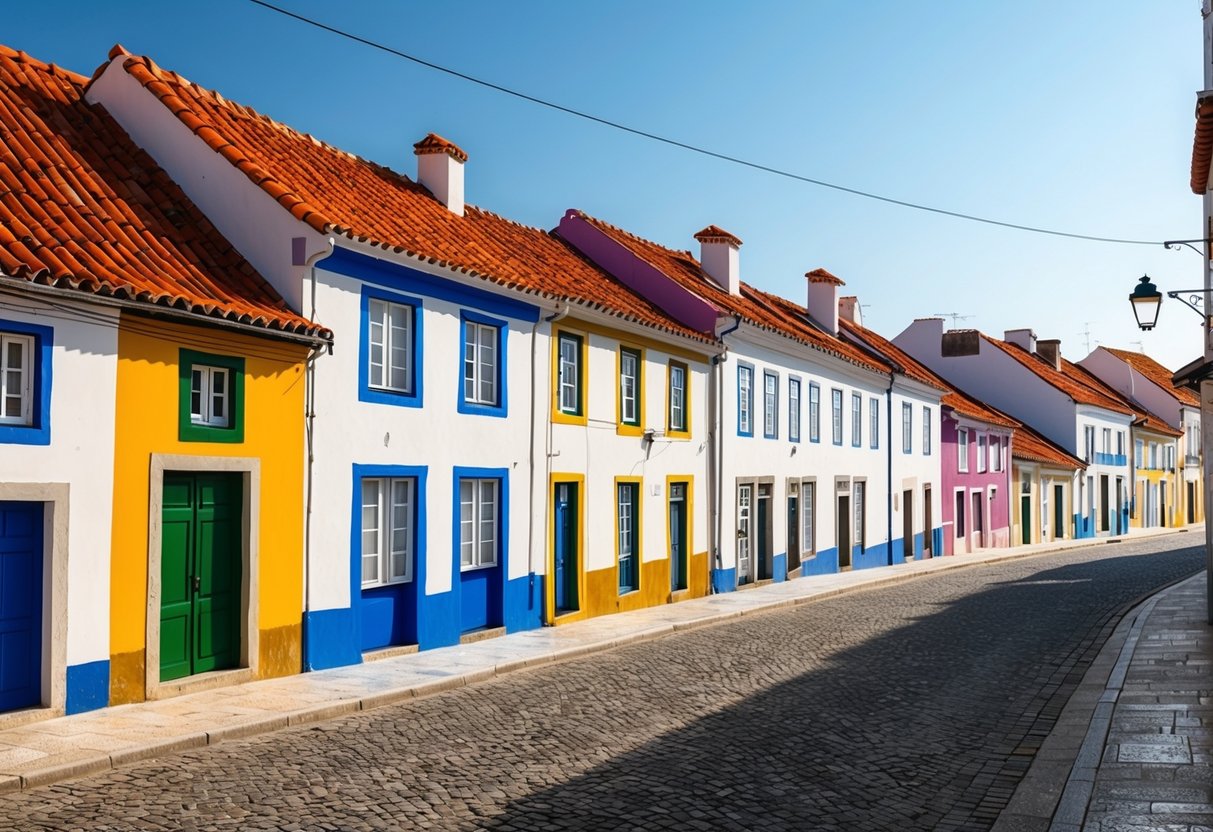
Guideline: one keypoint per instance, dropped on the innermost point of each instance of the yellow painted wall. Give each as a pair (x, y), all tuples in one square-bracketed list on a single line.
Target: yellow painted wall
[(147, 423)]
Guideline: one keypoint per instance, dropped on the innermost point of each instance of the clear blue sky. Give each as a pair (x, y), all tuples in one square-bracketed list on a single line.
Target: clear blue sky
[(1075, 115)]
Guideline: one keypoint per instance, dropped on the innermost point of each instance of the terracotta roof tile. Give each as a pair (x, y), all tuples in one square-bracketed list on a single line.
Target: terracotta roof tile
[(903, 361), (433, 143), (1156, 373), (716, 234), (1202, 145), (1029, 445), (1141, 416), (337, 192), (83, 208), (1070, 379), (822, 276), (756, 307)]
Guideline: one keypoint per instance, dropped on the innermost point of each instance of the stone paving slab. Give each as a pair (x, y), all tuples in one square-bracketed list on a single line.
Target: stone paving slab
[(42, 752)]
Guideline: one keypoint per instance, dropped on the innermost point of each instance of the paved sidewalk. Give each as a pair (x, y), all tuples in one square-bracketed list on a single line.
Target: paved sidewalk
[(56, 749), (1133, 748)]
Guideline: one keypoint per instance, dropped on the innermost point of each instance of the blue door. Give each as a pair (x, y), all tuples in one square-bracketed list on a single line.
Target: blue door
[(678, 536), (565, 577), (20, 605)]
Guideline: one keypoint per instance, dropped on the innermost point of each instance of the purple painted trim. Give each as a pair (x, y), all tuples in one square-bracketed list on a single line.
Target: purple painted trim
[(641, 277)]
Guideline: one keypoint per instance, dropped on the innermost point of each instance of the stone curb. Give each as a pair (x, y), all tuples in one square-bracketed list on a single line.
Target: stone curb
[(332, 710)]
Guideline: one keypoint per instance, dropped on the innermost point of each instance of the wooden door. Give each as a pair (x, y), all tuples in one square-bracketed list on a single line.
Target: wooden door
[(21, 545)]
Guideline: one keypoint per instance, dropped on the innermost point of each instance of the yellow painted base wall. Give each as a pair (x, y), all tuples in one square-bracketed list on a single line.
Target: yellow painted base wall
[(602, 588), (147, 423)]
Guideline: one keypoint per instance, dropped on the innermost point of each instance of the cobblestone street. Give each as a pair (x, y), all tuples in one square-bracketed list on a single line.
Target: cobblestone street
[(912, 706)]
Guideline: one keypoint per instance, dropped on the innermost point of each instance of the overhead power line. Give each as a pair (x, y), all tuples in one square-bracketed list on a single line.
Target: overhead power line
[(635, 131)]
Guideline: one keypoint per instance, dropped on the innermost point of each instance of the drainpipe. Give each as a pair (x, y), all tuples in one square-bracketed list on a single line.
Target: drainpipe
[(889, 473), (716, 451), (309, 432), (561, 311)]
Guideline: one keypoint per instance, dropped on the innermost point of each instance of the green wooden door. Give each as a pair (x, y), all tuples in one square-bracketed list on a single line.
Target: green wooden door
[(200, 572)]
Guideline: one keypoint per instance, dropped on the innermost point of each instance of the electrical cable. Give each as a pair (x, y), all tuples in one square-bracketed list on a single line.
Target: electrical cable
[(736, 160)]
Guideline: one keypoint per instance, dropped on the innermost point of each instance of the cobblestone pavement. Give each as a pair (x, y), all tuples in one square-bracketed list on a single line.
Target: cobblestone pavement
[(913, 706)]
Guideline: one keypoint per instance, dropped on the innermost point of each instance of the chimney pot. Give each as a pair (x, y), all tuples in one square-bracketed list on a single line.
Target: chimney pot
[(823, 299), (440, 169), (1050, 351), (719, 257)]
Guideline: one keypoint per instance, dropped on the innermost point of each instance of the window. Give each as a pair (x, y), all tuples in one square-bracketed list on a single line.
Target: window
[(483, 365), (962, 449), (1120, 443), (16, 379), (211, 398), (814, 413), (794, 409), (860, 513), (1139, 448), (874, 422), (770, 402), (959, 520), (569, 380), (390, 346), (981, 454), (627, 516), (478, 523), (629, 386), (387, 530), (1106, 437), (907, 428), (808, 508), (926, 431), (856, 419), (1154, 455), (1088, 436), (745, 400), (995, 453), (676, 421), (836, 410)]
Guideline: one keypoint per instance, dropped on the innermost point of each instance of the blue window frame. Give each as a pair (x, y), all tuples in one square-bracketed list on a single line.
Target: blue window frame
[(745, 399), (794, 409), (856, 420), (390, 349), (836, 414), (770, 405), (874, 418), (814, 412), (25, 383), (480, 526), (483, 368)]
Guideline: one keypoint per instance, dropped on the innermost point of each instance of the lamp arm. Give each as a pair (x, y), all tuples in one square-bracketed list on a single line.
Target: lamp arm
[(1174, 245)]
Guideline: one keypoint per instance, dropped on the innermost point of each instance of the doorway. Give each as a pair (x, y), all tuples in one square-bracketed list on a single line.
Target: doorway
[(793, 527), (678, 536), (565, 568), (21, 548), (1162, 503), (928, 525), (1105, 508), (201, 566), (1025, 519), (745, 560), (977, 518), (1059, 511), (843, 524), (1191, 502), (765, 550)]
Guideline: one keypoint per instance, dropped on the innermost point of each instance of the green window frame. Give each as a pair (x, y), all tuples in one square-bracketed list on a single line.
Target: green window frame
[(187, 429)]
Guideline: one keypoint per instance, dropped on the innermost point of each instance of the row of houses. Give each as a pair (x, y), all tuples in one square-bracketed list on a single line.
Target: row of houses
[(268, 407)]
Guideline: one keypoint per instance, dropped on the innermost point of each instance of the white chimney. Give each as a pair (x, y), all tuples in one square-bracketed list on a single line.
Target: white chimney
[(718, 255), (823, 299), (849, 309), (1025, 338), (440, 168)]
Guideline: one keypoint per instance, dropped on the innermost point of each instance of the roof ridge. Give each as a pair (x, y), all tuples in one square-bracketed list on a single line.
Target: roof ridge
[(23, 57), (634, 235)]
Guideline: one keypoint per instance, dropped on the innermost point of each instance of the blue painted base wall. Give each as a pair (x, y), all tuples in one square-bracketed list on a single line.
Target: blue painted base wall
[(824, 562), (88, 686), (874, 556), (329, 639), (724, 580), (779, 568), (1084, 526)]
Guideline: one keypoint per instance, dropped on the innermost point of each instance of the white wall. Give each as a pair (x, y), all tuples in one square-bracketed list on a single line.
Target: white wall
[(80, 454), (914, 470)]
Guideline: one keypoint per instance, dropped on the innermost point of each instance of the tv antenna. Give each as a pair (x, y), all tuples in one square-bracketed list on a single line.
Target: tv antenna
[(955, 316)]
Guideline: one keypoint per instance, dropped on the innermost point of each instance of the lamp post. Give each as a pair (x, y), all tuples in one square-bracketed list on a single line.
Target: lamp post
[(1147, 301)]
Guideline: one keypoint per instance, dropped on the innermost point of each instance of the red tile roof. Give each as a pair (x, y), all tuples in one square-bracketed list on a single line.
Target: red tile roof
[(754, 306), (433, 143), (1029, 445), (1202, 145), (716, 234), (1070, 379), (337, 192), (822, 276), (83, 208), (1156, 373), (1141, 417), (890, 352)]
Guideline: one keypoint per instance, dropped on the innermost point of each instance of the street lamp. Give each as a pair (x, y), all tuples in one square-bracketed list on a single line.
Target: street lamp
[(1146, 300)]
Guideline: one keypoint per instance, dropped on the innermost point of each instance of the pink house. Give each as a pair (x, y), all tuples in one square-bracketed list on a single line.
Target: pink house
[(975, 454)]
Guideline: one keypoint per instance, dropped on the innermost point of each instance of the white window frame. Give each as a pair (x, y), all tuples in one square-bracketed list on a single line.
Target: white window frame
[(794, 409), (907, 428), (874, 420), (629, 386), (926, 430), (814, 412), (384, 525), (962, 450), (16, 381), (569, 377), (626, 530), (676, 419), (1088, 437), (770, 403), (836, 415), (394, 340), (859, 495), (996, 452), (473, 520), (477, 371), (214, 409), (982, 453), (856, 419), (808, 518)]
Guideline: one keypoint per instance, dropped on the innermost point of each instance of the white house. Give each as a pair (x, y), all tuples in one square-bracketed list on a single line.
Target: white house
[(1030, 380)]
